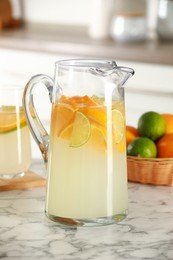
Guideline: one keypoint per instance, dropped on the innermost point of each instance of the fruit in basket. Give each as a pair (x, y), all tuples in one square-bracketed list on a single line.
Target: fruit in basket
[(152, 125), (169, 123), (165, 146), (131, 134), (142, 147)]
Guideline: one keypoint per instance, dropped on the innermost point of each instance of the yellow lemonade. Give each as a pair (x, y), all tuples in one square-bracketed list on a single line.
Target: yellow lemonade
[(87, 160), (14, 141)]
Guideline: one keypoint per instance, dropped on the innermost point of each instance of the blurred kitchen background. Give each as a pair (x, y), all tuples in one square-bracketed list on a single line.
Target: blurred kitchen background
[(136, 33)]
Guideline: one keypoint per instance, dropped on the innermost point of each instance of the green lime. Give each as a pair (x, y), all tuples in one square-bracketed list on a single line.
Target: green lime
[(142, 147), (152, 125)]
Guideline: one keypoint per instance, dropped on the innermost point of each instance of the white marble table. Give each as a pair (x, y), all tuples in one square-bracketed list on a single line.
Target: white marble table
[(147, 232)]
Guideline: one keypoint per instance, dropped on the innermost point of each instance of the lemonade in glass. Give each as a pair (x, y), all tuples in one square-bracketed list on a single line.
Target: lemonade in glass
[(14, 133)]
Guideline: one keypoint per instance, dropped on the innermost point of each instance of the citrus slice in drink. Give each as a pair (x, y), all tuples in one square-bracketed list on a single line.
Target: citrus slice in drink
[(66, 133), (64, 116), (118, 125), (77, 101), (98, 138), (121, 146), (96, 114), (81, 130), (119, 105), (10, 119), (78, 133), (98, 100)]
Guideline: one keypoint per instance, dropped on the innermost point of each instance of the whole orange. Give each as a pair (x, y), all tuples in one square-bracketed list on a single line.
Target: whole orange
[(169, 123), (131, 134), (165, 146)]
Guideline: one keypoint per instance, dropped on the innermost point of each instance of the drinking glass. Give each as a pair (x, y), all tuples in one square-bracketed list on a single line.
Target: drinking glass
[(15, 145)]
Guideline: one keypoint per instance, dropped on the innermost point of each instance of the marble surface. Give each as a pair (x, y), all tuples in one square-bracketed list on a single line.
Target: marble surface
[(147, 232)]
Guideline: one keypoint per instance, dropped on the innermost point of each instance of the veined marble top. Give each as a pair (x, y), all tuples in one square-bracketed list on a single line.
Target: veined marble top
[(147, 232)]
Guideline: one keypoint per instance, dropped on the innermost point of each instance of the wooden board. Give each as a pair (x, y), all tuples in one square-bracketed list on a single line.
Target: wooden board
[(29, 180)]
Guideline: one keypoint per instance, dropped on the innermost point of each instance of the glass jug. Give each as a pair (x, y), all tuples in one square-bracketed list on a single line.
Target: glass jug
[(85, 154)]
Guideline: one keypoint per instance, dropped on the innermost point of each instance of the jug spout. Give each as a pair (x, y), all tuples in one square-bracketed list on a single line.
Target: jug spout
[(123, 74), (119, 74)]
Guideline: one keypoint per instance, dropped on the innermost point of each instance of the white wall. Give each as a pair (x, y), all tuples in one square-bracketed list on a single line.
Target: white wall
[(74, 12)]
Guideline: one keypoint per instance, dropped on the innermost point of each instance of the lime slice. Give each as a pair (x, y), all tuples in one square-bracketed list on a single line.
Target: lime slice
[(118, 105), (9, 120), (118, 125), (78, 133), (98, 100), (81, 130)]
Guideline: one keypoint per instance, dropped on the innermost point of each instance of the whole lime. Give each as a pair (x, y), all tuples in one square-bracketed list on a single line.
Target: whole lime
[(152, 125), (142, 147)]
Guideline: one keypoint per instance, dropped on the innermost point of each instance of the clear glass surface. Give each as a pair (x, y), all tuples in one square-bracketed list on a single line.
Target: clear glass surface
[(14, 133), (85, 153)]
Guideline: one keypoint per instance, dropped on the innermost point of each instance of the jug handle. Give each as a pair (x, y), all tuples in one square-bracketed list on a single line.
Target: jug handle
[(37, 129)]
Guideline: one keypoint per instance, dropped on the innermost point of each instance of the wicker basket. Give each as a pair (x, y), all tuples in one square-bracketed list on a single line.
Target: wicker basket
[(150, 171)]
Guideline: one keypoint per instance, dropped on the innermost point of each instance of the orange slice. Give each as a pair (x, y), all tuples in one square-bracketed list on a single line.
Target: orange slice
[(88, 106), (98, 137), (96, 114), (63, 116), (9, 119), (77, 101)]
